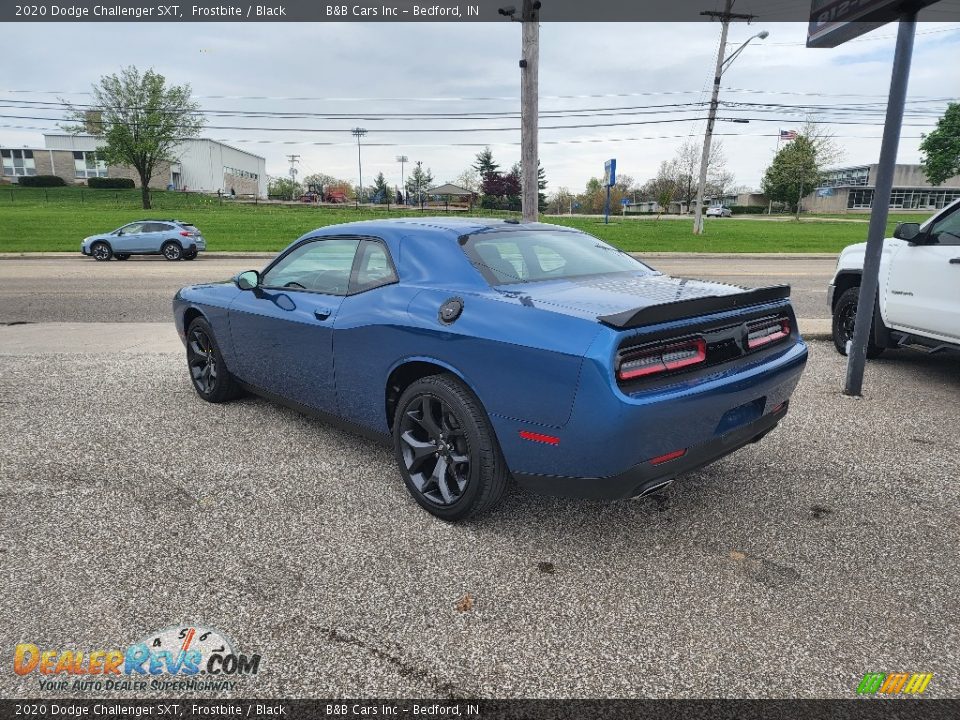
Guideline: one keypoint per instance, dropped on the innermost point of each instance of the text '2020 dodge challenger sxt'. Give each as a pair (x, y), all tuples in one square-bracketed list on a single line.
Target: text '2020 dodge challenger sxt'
[(489, 349)]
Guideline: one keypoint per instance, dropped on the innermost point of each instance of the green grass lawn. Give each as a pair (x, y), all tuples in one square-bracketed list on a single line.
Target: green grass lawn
[(56, 219)]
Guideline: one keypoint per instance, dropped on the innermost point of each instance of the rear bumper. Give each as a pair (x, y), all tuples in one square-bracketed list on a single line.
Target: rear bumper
[(646, 476)]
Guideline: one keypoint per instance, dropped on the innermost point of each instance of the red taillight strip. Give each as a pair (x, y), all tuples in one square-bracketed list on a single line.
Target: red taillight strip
[(539, 437), (775, 336), (661, 363), (660, 459)]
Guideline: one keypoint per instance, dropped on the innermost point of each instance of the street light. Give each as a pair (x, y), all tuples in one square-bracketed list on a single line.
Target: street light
[(722, 65), (359, 132), (402, 159)]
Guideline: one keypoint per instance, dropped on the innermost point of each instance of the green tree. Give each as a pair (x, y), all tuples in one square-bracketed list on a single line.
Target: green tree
[(793, 173), (284, 188), (941, 148), (418, 182), (139, 119), (484, 164), (380, 192)]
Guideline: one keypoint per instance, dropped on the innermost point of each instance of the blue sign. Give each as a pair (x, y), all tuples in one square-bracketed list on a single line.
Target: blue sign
[(610, 173), (625, 201)]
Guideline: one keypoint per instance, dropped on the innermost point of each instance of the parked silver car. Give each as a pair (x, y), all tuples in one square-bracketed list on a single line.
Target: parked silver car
[(174, 239), (719, 211)]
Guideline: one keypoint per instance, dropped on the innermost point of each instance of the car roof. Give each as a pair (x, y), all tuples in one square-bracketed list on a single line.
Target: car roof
[(457, 226)]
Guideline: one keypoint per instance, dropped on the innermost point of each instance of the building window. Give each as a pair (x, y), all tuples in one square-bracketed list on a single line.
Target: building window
[(240, 173), (846, 177), (17, 163), (906, 198), (86, 165)]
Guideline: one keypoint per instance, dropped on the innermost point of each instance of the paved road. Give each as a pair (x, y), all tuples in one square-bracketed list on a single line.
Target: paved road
[(76, 289), (788, 569)]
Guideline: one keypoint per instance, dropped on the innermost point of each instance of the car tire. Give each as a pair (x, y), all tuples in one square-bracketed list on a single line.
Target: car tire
[(190, 255), (446, 449), (208, 372), (121, 256), (101, 251), (172, 250), (844, 314)]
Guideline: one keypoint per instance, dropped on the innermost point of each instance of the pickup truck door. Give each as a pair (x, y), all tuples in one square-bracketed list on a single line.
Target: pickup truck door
[(923, 290)]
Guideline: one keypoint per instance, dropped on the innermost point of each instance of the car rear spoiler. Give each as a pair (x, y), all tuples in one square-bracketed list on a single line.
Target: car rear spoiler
[(665, 312)]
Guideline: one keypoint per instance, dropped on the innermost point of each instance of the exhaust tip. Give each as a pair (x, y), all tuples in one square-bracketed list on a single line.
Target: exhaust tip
[(653, 488)]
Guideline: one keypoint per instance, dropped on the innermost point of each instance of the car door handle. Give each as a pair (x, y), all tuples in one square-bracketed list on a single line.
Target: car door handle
[(955, 261), (322, 314)]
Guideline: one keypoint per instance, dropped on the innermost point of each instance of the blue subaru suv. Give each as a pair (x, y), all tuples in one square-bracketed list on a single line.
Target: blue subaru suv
[(174, 239)]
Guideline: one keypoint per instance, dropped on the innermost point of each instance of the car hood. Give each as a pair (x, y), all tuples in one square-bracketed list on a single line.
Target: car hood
[(594, 296)]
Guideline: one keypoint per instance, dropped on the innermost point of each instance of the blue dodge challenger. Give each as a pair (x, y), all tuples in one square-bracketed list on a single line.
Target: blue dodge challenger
[(490, 349)]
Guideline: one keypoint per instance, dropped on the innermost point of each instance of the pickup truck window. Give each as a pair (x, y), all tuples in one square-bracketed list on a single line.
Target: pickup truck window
[(947, 230)]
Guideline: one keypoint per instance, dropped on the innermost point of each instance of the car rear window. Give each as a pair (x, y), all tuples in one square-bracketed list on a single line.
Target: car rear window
[(532, 255)]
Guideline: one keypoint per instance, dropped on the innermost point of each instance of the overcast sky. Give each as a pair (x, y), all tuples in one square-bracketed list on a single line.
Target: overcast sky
[(354, 68)]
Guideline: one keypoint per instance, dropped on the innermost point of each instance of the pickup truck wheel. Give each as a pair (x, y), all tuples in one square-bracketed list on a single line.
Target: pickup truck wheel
[(101, 251), (446, 449), (171, 250), (844, 317)]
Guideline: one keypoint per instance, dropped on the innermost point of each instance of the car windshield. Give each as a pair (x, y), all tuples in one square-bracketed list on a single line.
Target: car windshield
[(532, 255)]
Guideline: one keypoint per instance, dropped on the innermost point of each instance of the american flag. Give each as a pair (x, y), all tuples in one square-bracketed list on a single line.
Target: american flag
[(788, 134)]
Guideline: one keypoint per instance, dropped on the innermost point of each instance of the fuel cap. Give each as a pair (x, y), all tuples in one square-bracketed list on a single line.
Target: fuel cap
[(451, 310)]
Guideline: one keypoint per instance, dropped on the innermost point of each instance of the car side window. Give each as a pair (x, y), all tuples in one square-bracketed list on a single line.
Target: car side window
[(947, 230), (132, 229), (318, 266), (155, 227), (374, 267)]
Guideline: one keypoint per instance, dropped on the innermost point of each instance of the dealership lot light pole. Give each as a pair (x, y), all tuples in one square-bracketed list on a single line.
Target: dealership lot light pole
[(402, 159)]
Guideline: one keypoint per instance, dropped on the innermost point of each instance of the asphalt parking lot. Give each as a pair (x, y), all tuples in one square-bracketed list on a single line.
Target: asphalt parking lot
[(788, 569), (71, 288)]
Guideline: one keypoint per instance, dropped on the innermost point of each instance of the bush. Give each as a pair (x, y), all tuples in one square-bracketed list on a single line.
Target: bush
[(108, 183), (42, 181), (747, 209)]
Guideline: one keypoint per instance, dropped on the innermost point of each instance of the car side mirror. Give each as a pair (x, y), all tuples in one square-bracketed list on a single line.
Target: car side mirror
[(119, 233), (907, 231), (249, 280)]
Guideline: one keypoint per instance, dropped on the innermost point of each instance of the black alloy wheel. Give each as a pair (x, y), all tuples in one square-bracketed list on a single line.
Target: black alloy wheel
[(202, 360), (446, 449), (172, 251), (435, 450), (101, 251), (121, 256), (208, 372)]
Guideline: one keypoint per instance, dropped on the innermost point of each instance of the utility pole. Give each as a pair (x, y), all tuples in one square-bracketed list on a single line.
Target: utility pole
[(402, 159), (529, 104), (294, 159), (359, 132), (419, 175), (725, 17)]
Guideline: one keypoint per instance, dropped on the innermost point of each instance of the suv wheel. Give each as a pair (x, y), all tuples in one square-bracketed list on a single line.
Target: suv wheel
[(446, 449), (101, 251), (121, 256), (190, 255), (171, 250), (844, 317), (208, 373)]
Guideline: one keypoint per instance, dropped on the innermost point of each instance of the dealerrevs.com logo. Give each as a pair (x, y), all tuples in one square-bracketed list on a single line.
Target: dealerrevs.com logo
[(894, 683), (183, 657)]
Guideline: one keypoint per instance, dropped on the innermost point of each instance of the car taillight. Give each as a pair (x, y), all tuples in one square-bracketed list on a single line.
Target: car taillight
[(766, 331), (662, 358), (186, 233)]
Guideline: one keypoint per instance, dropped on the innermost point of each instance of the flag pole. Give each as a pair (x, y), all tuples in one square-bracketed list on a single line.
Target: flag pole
[(770, 201)]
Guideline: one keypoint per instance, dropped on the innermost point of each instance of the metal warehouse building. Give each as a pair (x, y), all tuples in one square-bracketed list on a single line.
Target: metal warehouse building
[(203, 165), (850, 189)]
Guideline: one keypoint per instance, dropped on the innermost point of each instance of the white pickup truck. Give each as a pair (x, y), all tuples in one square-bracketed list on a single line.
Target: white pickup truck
[(918, 299)]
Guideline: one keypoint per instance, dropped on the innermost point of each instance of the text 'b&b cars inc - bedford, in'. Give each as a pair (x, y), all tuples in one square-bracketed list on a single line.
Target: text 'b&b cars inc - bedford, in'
[(488, 349)]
